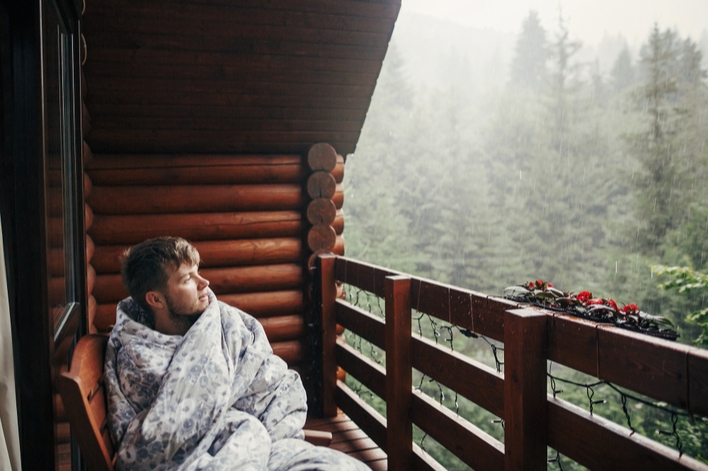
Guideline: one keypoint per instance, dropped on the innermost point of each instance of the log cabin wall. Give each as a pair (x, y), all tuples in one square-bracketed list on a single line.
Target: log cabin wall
[(256, 220), (203, 117), (206, 85), (244, 215)]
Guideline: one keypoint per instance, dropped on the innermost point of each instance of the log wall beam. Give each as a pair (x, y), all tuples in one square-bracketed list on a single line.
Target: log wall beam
[(134, 200), (229, 253)]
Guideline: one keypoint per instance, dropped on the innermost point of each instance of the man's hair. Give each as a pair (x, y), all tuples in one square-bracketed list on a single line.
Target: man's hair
[(146, 266)]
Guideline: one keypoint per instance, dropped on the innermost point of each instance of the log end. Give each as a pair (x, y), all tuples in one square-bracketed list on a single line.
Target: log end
[(321, 237), (322, 156), (321, 211), (321, 184)]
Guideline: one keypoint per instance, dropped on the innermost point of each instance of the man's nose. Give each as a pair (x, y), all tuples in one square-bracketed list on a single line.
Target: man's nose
[(203, 282)]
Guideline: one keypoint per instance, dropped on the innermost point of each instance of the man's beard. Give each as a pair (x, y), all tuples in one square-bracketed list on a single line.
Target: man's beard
[(183, 321)]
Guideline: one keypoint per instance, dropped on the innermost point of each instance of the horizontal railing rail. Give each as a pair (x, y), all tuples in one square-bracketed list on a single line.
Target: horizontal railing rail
[(662, 370)]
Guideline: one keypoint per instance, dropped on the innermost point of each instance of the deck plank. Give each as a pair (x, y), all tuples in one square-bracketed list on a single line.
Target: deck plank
[(381, 464), (347, 437)]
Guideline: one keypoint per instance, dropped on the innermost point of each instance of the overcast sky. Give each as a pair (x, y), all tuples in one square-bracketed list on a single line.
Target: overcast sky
[(588, 20)]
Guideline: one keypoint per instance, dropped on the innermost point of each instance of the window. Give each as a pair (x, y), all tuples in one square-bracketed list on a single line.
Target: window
[(60, 169)]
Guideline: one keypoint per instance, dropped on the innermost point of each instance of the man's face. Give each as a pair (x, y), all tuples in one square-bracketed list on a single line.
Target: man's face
[(186, 296)]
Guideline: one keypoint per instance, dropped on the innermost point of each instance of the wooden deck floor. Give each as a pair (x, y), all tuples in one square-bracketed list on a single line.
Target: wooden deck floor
[(348, 438)]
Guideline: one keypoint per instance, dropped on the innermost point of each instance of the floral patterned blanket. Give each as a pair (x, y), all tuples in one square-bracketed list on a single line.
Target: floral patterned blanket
[(215, 398)]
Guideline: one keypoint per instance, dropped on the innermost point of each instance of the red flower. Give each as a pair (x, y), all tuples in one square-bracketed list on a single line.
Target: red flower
[(539, 283), (594, 301), (630, 309), (584, 296), (531, 285), (611, 302), (549, 285)]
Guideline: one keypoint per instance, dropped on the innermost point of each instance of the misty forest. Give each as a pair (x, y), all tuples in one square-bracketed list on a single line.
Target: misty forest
[(589, 172)]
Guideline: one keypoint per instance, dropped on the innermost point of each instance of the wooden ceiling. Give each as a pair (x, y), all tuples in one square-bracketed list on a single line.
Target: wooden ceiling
[(232, 76)]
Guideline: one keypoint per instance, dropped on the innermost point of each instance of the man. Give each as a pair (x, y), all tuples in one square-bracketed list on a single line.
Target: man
[(192, 383)]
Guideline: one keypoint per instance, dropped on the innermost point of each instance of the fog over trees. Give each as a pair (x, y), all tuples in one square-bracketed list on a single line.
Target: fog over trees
[(490, 159)]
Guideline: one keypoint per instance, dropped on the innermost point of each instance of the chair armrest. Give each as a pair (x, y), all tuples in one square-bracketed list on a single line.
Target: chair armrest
[(318, 438)]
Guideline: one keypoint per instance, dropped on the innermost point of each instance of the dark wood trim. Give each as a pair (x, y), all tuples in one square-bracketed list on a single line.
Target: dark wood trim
[(470, 378), (399, 434), (366, 417), (362, 368), (25, 234), (475, 311), (525, 353), (7, 162), (29, 295), (629, 359), (472, 445), (361, 322), (579, 434), (358, 16), (138, 57), (103, 67), (327, 290), (424, 461)]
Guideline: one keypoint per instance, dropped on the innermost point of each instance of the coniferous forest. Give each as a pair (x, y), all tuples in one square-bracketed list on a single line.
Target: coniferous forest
[(593, 179)]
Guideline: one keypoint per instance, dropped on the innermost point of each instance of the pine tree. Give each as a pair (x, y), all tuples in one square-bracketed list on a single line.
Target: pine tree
[(528, 69), (564, 81), (377, 229), (546, 155), (622, 74), (658, 183), (688, 240), (689, 74)]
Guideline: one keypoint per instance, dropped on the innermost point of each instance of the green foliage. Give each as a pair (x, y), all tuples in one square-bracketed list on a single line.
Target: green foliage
[(573, 179), (685, 280), (668, 145), (646, 417)]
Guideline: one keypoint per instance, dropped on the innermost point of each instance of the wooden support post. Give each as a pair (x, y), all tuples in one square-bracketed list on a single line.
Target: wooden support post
[(328, 289), (399, 430), (525, 410)]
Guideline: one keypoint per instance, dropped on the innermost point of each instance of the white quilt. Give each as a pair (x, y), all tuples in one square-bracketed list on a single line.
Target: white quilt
[(215, 398)]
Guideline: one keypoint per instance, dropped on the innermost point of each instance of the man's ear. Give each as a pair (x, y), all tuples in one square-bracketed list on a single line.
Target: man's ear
[(155, 299)]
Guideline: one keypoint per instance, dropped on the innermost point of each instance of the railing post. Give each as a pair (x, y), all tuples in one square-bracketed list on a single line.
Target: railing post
[(525, 410), (328, 291), (399, 428)]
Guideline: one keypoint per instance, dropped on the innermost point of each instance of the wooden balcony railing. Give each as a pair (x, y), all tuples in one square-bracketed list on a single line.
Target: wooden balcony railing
[(662, 370)]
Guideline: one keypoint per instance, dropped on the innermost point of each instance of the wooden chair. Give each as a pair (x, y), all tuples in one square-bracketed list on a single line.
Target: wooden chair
[(83, 393)]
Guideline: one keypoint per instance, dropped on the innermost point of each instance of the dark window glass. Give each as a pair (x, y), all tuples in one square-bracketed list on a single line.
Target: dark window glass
[(60, 159)]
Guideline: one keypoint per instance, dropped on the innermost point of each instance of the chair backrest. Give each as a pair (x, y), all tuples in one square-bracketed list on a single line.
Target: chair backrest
[(84, 395)]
